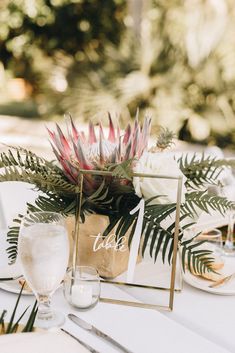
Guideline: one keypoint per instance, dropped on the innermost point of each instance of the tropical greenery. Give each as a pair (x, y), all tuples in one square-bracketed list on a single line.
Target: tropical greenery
[(113, 194), (172, 57), (41, 26), (13, 326)]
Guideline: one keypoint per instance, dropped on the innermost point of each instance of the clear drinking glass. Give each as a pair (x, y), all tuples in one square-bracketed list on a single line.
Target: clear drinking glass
[(82, 288), (44, 253), (229, 247), (228, 192), (212, 239)]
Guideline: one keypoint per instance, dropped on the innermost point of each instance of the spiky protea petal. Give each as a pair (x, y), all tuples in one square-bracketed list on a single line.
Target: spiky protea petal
[(127, 134), (56, 143), (63, 141), (92, 137), (71, 172), (135, 143), (118, 134), (136, 123), (146, 130), (119, 150), (101, 149), (75, 133), (82, 136), (101, 132), (111, 136), (128, 151), (80, 153), (51, 134)]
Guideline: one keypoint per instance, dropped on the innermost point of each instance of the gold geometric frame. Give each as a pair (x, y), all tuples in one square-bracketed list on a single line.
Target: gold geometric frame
[(171, 287)]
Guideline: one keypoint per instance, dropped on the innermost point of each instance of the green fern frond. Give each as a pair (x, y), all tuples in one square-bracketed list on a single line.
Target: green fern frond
[(122, 170), (27, 159), (152, 229), (195, 259), (205, 202), (200, 170), (53, 203), (225, 162), (99, 202), (25, 166), (101, 194), (42, 181), (158, 240)]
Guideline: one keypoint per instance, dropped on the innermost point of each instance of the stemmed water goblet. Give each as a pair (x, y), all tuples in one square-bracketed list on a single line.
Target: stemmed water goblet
[(44, 253)]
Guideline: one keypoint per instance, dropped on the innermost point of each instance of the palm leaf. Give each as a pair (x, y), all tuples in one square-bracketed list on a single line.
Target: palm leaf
[(197, 260), (99, 202), (200, 170), (26, 166), (205, 202), (25, 158), (158, 239), (122, 170)]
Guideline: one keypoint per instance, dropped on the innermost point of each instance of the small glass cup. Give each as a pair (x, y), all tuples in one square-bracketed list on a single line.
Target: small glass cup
[(213, 241), (229, 246), (82, 288)]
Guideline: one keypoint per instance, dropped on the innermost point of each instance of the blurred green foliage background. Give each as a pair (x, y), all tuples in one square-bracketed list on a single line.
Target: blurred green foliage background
[(175, 59)]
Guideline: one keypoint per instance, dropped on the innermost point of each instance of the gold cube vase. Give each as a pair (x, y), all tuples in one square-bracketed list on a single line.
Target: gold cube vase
[(109, 260)]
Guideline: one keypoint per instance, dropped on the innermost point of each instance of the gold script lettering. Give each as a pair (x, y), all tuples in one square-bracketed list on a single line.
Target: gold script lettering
[(109, 242)]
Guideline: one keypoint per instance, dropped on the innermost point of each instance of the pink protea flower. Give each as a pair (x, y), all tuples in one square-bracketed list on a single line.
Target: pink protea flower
[(95, 151)]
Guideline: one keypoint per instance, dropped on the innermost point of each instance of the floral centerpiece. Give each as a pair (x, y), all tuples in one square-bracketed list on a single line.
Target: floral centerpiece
[(110, 199)]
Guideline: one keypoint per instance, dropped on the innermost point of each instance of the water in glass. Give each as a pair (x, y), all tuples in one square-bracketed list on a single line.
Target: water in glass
[(44, 252)]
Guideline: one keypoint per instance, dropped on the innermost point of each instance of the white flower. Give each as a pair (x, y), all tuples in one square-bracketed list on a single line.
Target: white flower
[(160, 163)]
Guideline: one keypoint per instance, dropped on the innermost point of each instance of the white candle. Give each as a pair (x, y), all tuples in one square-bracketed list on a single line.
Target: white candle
[(82, 295)]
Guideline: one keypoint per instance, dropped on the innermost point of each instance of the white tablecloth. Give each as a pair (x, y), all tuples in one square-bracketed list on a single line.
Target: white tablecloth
[(200, 323), (197, 323), (141, 330), (212, 316)]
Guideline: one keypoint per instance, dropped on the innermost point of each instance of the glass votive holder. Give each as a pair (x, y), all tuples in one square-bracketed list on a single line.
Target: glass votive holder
[(82, 289)]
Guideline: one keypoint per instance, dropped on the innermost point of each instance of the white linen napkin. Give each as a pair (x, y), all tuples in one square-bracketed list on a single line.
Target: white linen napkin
[(39, 342)]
